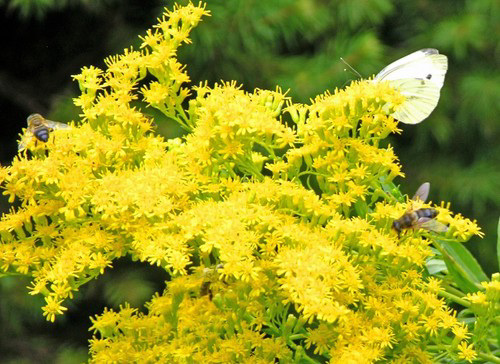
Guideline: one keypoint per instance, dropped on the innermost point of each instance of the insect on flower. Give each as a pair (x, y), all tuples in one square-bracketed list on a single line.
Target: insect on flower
[(208, 276), (40, 129), (421, 218)]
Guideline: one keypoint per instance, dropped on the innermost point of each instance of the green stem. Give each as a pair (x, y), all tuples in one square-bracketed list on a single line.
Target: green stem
[(309, 360), (454, 291), (454, 298), (251, 168), (377, 189), (182, 114), (297, 337), (266, 147), (489, 357), (313, 173)]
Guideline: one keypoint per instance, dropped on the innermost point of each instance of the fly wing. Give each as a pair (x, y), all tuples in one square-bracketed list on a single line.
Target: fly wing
[(431, 225), (422, 192)]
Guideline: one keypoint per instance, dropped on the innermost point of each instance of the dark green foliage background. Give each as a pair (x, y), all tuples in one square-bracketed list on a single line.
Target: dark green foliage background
[(287, 43)]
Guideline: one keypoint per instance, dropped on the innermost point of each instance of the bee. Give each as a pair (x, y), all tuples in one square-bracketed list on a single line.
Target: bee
[(40, 129), (208, 277), (421, 218)]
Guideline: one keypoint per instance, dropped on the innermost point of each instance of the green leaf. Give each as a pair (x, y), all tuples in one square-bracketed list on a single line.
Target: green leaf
[(361, 208), (435, 266), (462, 266)]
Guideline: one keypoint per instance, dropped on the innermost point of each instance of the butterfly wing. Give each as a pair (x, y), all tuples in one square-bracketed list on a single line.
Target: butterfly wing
[(419, 77), (421, 98), (423, 64)]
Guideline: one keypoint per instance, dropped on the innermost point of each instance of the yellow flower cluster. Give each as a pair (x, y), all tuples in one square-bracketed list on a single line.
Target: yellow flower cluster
[(277, 239), (485, 304), (340, 151)]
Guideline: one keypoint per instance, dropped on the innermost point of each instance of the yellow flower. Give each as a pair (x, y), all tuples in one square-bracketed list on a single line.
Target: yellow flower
[(460, 331), (151, 39), (433, 284), (360, 172), (383, 337), (275, 348), (431, 324), (357, 190), (466, 352), (448, 318), (478, 298), (99, 261), (342, 198), (156, 94), (52, 308), (414, 354), (232, 149), (105, 323), (413, 330), (322, 338), (90, 79)]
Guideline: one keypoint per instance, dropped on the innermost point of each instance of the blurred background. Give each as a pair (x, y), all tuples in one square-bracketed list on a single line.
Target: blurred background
[(292, 44)]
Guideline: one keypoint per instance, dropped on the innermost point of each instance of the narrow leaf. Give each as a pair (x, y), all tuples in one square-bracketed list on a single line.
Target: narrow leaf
[(463, 267)]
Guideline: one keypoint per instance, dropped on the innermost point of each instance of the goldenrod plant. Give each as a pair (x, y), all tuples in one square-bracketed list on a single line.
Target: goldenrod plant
[(277, 236)]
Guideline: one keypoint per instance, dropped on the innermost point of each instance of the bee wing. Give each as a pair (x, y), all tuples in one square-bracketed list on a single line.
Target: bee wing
[(422, 192), (432, 225), (56, 125)]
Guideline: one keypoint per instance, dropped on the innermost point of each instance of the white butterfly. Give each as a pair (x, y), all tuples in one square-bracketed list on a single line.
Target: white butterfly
[(419, 77)]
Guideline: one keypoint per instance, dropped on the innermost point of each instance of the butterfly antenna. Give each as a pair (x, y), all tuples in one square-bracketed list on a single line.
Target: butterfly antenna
[(350, 67)]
